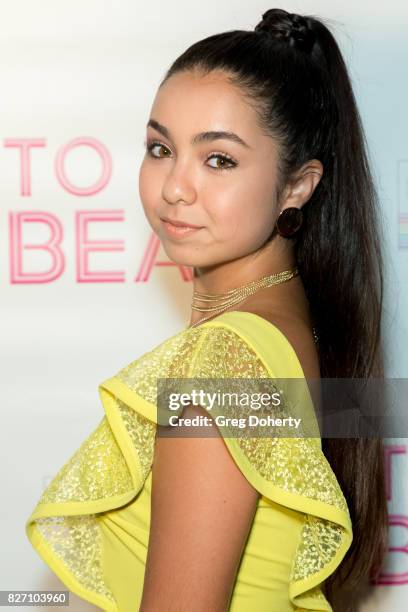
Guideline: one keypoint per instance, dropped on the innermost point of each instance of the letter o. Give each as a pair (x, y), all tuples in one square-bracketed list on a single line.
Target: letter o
[(106, 166)]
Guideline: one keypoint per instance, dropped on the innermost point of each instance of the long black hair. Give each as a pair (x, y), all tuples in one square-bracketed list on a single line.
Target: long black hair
[(292, 68)]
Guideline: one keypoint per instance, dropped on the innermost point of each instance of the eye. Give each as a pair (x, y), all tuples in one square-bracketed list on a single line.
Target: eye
[(151, 145), (224, 159)]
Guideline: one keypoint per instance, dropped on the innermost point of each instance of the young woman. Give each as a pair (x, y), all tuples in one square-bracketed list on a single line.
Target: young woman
[(256, 175)]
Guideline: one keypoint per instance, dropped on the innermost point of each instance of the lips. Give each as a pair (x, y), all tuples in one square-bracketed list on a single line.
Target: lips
[(180, 231), (180, 223)]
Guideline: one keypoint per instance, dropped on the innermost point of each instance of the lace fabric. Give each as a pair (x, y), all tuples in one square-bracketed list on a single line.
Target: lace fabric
[(110, 467)]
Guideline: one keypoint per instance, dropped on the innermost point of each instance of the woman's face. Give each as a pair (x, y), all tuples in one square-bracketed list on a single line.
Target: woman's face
[(223, 185)]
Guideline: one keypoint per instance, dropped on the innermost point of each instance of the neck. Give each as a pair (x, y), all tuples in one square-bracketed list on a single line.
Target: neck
[(275, 257)]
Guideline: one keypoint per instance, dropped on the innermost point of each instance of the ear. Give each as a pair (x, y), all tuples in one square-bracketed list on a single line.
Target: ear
[(302, 184)]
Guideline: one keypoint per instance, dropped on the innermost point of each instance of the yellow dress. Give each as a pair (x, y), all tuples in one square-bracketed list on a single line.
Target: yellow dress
[(91, 524)]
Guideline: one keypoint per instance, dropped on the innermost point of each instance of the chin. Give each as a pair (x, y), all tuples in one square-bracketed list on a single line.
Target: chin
[(186, 260), (184, 256)]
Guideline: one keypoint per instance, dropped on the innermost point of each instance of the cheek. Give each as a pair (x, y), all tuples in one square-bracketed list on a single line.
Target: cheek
[(243, 212)]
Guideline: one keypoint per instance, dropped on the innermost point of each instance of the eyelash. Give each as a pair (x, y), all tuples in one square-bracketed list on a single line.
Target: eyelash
[(223, 156)]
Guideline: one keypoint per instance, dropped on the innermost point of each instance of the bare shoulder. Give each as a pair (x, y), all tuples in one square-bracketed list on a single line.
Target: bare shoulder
[(298, 331)]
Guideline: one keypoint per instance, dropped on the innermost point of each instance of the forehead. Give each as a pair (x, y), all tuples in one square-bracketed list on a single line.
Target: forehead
[(204, 102)]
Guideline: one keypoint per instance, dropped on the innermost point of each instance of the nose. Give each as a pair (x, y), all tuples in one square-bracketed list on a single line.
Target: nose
[(178, 186)]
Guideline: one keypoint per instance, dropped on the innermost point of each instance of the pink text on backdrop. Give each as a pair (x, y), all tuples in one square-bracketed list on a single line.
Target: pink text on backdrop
[(25, 145), (84, 246), (395, 522)]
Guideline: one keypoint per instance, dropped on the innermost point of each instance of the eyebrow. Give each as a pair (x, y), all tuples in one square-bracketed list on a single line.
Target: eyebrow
[(201, 136)]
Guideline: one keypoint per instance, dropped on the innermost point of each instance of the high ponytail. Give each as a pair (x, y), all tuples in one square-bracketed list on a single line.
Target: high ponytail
[(292, 67)]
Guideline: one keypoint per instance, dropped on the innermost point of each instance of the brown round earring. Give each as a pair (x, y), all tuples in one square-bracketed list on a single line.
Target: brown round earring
[(289, 221)]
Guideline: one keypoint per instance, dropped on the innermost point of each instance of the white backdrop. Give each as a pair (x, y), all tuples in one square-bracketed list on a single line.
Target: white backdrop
[(80, 274)]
